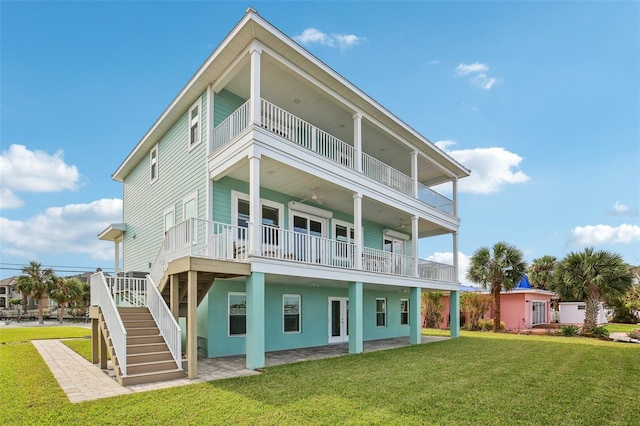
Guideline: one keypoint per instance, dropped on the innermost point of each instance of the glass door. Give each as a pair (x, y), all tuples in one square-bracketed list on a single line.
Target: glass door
[(338, 319), (307, 241)]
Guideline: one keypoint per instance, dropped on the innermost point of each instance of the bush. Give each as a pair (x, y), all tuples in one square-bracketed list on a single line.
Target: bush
[(569, 330), (487, 325), (635, 334), (600, 333)]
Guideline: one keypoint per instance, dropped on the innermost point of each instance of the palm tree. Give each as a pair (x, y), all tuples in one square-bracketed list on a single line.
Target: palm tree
[(498, 268), (65, 291), (24, 287), (541, 271), (37, 281), (592, 276)]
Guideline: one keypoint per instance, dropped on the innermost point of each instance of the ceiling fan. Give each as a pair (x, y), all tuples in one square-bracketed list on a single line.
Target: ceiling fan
[(315, 197)]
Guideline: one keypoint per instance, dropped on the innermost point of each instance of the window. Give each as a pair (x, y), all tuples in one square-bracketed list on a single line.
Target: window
[(169, 219), (188, 212), (404, 311), (291, 313), (194, 124), (345, 236), (272, 218), (393, 245), (237, 314), (153, 164), (381, 312)]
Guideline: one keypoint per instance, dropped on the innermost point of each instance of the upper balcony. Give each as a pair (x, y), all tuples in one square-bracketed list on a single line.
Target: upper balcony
[(294, 129)]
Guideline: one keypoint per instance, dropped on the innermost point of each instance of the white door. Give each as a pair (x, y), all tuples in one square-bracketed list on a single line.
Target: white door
[(338, 319), (306, 241)]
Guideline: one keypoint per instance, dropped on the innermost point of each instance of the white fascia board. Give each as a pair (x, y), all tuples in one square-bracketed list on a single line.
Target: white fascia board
[(113, 232)]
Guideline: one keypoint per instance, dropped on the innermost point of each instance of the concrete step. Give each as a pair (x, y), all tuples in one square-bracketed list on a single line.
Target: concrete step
[(140, 340), (149, 357), (136, 379), (146, 347)]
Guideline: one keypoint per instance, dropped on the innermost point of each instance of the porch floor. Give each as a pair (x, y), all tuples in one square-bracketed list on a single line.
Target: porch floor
[(83, 381)]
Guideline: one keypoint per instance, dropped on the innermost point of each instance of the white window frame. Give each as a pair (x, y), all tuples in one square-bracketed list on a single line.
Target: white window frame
[(335, 223), (193, 142), (235, 293), (191, 197), (299, 330), (154, 176), (384, 312), (545, 309), (167, 211), (237, 195), (402, 303)]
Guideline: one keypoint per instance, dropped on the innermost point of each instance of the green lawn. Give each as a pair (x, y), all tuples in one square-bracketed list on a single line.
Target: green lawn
[(621, 328), (480, 378)]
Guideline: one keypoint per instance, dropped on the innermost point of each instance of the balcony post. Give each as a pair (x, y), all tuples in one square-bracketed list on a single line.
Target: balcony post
[(357, 231), (455, 257), (254, 206), (357, 139), (414, 172), (414, 243), (254, 110), (455, 197)]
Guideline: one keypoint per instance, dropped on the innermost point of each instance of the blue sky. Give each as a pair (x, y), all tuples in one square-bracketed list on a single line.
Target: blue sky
[(541, 100)]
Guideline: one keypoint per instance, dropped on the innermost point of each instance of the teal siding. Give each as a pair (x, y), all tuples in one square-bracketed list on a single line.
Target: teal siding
[(181, 172), (225, 103), (314, 317)]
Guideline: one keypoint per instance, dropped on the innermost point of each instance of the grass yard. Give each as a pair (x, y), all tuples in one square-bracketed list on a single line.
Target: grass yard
[(480, 378), (621, 328)]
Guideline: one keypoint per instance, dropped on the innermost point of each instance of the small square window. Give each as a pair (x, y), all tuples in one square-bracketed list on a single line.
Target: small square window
[(194, 124), (381, 312), (153, 164), (404, 311)]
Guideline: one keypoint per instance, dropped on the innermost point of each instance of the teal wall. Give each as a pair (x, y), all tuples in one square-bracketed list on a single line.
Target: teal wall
[(314, 317), (225, 103), (222, 188), (181, 172)]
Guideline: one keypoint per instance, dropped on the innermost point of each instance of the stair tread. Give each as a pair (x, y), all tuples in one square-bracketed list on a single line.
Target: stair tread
[(132, 364), (175, 370)]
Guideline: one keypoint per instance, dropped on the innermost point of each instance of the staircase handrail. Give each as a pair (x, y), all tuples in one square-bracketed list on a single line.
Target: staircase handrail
[(101, 296), (167, 324)]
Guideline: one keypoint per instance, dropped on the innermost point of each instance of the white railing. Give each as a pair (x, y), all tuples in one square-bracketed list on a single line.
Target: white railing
[(294, 129), (432, 198), (230, 126), (127, 291), (294, 246), (436, 271), (101, 296), (387, 175), (169, 328), (202, 238), (374, 260)]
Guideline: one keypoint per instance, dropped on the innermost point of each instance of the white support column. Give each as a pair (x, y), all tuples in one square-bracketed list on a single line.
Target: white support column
[(254, 112), (117, 259), (414, 172), (357, 228), (455, 197), (414, 243), (455, 257), (254, 206), (357, 139)]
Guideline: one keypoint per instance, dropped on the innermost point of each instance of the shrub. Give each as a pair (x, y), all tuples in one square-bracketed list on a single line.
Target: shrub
[(635, 334), (600, 333), (569, 330), (487, 325)]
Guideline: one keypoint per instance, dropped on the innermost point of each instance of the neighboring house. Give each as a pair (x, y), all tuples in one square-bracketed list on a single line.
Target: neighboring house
[(573, 313), (276, 206), (8, 292), (521, 308)]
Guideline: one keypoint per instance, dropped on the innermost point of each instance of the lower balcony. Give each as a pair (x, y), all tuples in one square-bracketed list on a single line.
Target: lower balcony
[(220, 241)]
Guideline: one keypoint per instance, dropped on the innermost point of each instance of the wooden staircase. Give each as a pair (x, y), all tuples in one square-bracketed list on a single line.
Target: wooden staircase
[(148, 356), (205, 281)]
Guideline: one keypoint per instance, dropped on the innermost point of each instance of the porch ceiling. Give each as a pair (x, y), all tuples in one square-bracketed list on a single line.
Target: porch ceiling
[(301, 186)]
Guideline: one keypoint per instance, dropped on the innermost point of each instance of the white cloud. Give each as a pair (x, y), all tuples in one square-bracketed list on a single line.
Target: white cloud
[(479, 72), (33, 171), (433, 62), (9, 200), (464, 69), (447, 258), (491, 168), (69, 229), (605, 234), (620, 208), (343, 41)]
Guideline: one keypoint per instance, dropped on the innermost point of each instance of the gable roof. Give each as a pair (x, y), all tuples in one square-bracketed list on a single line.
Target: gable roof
[(251, 27)]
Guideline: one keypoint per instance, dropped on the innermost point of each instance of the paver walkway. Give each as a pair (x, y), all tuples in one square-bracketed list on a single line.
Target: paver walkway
[(83, 381)]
